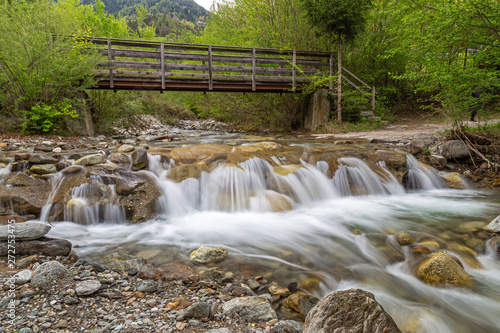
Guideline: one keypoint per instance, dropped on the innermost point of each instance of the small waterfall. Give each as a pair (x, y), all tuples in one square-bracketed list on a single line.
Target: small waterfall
[(55, 183), (355, 177), (94, 202), (419, 177), (5, 171)]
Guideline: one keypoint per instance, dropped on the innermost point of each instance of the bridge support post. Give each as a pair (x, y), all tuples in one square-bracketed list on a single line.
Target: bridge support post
[(317, 110)]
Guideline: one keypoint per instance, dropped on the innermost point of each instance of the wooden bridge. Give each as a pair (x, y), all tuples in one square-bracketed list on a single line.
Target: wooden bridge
[(151, 65)]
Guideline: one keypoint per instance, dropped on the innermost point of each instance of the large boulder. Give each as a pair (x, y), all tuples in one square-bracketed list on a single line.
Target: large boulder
[(250, 309), (45, 246), (184, 171), (207, 254), (139, 159), (352, 310), (139, 198), (454, 180), (48, 273), (442, 269), (43, 169), (24, 231), (454, 149), (25, 200)]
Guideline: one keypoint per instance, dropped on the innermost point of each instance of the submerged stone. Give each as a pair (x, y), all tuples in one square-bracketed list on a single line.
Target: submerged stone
[(442, 269), (207, 255)]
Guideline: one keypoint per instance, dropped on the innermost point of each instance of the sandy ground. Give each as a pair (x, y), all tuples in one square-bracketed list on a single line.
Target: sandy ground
[(402, 133)]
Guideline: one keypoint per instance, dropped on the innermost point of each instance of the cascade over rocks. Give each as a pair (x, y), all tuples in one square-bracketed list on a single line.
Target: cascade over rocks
[(352, 310)]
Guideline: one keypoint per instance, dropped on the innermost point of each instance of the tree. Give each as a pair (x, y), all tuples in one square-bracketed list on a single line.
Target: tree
[(340, 20)]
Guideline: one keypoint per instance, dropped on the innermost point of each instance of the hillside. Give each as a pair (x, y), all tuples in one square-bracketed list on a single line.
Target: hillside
[(182, 9)]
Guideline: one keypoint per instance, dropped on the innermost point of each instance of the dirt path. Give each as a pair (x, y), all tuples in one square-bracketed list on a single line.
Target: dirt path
[(404, 133)]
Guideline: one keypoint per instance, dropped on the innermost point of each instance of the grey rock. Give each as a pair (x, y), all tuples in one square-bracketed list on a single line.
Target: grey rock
[(147, 286), (352, 310), (219, 330), (287, 326), (25, 330), (88, 287), (251, 309), (91, 159), (139, 159), (84, 262), (493, 226), (24, 231), (124, 262), (47, 273), (196, 310), (5, 301), (119, 158), (44, 246), (206, 254), (454, 149), (43, 169), (416, 146), (42, 159), (141, 203), (23, 277), (71, 300), (125, 148)]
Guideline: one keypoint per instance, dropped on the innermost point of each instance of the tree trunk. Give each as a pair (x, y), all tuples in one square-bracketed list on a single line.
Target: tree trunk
[(339, 84)]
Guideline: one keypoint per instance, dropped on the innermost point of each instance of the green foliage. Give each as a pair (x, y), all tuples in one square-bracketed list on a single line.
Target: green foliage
[(45, 118), (346, 18)]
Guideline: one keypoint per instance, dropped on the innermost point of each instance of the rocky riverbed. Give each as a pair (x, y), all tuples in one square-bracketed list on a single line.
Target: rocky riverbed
[(136, 176)]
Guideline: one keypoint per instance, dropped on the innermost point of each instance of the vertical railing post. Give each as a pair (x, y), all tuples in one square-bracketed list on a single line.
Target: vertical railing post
[(293, 69), (254, 86), (373, 100), (110, 58), (162, 59), (331, 71), (210, 83)]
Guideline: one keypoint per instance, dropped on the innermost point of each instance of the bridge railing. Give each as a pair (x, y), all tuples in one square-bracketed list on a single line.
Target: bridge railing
[(151, 65)]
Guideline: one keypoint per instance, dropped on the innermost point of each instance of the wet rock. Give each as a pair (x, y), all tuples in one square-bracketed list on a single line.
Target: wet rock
[(91, 160), (88, 287), (470, 227), (124, 262), (125, 148), (454, 180), (404, 238), (44, 246), (196, 310), (139, 159), (42, 159), (22, 277), (493, 226), (23, 179), (352, 310), (442, 269), (24, 231), (128, 182), (278, 202), (25, 199), (72, 169), (151, 274), (147, 286), (206, 254), (279, 291), (141, 203), (454, 149), (4, 220), (173, 270), (287, 326), (298, 305), (250, 309), (184, 171), (48, 273)]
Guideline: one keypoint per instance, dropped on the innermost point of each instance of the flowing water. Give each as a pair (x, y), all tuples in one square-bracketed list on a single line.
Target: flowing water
[(327, 233)]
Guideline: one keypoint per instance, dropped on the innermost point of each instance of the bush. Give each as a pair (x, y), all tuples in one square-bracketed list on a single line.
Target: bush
[(46, 118)]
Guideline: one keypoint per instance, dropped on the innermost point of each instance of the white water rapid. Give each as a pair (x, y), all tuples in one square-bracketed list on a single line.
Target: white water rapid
[(296, 223)]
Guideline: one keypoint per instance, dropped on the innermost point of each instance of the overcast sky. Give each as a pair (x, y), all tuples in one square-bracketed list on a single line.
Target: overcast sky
[(204, 3)]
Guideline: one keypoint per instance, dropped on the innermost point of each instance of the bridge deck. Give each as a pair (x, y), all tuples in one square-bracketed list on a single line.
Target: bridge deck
[(149, 65)]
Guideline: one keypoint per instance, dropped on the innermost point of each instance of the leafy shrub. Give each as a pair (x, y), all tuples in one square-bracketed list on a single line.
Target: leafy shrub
[(46, 118)]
